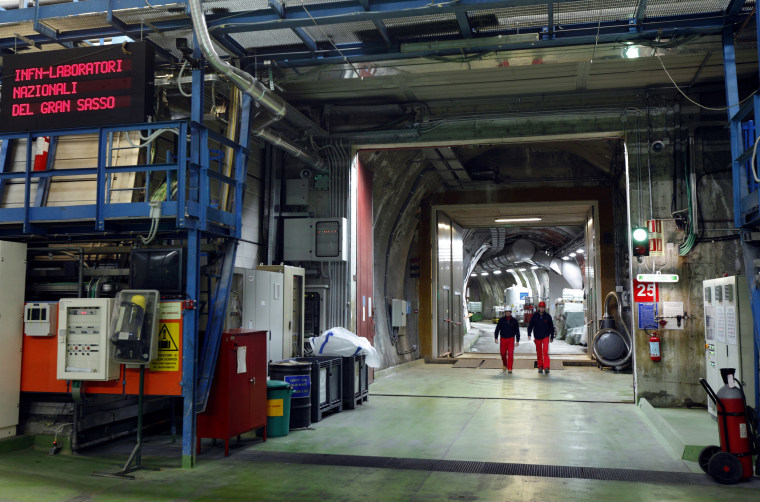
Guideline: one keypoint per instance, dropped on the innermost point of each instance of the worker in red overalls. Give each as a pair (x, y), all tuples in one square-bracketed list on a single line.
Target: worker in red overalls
[(542, 327), (509, 330)]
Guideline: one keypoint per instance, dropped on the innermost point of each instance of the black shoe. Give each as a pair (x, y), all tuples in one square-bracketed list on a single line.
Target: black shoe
[(546, 371), (540, 370)]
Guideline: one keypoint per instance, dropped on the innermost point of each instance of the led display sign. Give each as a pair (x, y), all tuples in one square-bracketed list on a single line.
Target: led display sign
[(83, 87)]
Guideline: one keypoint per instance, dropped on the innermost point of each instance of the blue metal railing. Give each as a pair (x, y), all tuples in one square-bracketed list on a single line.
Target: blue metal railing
[(193, 204)]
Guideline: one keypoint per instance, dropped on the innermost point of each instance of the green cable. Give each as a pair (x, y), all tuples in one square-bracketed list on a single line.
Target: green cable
[(691, 238)]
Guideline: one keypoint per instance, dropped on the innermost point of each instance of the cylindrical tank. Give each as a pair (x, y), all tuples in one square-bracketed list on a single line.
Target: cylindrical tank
[(521, 250), (732, 422)]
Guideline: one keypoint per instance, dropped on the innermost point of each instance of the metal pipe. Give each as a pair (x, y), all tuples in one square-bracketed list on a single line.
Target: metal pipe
[(248, 84)]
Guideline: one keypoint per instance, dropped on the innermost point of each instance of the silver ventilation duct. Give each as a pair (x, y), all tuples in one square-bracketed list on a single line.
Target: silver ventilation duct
[(522, 250), (249, 85)]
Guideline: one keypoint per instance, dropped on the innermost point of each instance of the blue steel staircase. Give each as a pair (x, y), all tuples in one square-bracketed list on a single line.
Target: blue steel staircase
[(744, 138)]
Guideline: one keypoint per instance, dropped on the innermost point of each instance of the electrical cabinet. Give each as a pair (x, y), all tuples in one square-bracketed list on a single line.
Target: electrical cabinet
[(13, 276), (238, 399), (83, 346), (315, 239), (728, 333), (399, 311), (297, 192), (280, 309)]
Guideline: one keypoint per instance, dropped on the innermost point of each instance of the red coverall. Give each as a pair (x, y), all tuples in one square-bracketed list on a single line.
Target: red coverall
[(509, 331), (542, 326)]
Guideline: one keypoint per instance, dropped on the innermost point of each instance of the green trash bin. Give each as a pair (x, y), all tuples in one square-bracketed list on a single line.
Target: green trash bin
[(278, 408)]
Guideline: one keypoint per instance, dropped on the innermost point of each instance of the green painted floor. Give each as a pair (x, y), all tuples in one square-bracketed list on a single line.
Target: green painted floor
[(579, 417)]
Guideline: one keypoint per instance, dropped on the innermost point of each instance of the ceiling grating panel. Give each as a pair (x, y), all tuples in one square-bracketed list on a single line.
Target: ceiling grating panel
[(218, 6), (253, 40), (748, 7), (348, 33), (81, 22), (665, 8), (593, 11), (420, 27), (298, 3), (137, 16), (23, 29), (490, 20)]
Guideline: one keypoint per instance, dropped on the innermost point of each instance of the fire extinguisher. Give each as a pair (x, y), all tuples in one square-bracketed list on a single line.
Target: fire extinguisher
[(654, 346), (732, 460), (41, 149)]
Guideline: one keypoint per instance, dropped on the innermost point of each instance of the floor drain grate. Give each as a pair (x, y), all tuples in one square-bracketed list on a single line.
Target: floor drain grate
[(475, 467)]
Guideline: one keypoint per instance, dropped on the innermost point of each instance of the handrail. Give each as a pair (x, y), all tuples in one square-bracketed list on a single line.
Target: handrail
[(192, 206)]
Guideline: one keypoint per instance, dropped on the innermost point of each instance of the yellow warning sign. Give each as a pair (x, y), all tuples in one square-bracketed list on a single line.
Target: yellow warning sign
[(274, 407), (168, 352)]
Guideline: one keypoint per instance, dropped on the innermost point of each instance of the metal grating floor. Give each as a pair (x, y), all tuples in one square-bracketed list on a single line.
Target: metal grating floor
[(474, 467)]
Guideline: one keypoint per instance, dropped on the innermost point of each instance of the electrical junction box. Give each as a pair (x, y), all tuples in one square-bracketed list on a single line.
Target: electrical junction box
[(315, 239), (40, 319), (399, 311), (297, 192), (83, 325)]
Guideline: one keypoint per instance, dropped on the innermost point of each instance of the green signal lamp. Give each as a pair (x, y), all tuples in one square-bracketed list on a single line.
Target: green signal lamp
[(640, 241)]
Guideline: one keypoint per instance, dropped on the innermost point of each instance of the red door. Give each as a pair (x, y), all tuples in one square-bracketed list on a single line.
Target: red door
[(365, 301)]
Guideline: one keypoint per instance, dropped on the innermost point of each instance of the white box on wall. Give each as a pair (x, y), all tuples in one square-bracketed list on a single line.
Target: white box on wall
[(297, 192), (399, 311)]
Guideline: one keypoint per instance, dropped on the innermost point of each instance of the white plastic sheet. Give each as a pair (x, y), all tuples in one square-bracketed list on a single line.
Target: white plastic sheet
[(341, 342)]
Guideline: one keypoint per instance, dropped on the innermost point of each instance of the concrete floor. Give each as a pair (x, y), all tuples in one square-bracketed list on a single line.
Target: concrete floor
[(579, 417)]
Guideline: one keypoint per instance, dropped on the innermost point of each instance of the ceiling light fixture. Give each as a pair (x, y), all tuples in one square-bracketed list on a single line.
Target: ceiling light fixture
[(534, 267), (484, 273), (515, 220), (565, 258), (572, 255), (497, 272), (631, 52), (580, 251)]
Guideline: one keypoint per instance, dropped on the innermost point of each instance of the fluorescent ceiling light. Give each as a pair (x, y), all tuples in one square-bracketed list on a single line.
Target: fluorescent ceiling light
[(631, 52), (657, 277), (515, 220), (484, 273), (572, 255), (565, 258), (510, 270), (534, 267), (580, 251), (473, 275), (497, 272), (521, 270)]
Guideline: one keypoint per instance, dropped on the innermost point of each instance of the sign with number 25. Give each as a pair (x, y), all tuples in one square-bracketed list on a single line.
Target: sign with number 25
[(645, 292)]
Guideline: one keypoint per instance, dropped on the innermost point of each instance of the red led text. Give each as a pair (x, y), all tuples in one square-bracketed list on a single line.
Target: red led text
[(70, 70)]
